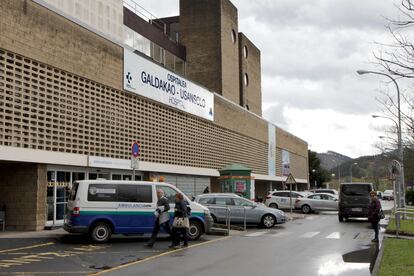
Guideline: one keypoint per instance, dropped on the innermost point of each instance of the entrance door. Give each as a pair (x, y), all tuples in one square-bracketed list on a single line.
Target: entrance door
[(58, 188)]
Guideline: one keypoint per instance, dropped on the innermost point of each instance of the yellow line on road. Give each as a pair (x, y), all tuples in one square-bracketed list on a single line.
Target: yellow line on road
[(156, 256), (26, 247), (43, 272)]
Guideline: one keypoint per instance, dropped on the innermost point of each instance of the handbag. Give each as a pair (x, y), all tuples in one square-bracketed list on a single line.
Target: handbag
[(179, 222), (381, 214)]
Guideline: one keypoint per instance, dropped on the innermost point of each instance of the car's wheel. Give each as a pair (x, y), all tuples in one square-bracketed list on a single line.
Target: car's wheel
[(306, 209), (268, 221), (101, 232), (273, 205), (195, 230), (340, 218)]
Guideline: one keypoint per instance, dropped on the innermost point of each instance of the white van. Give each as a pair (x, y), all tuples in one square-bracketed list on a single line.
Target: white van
[(105, 207)]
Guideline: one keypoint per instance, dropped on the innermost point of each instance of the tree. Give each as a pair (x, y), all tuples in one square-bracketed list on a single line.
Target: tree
[(316, 172)]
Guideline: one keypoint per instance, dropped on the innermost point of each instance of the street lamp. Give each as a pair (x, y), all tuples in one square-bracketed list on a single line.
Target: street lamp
[(314, 177), (400, 148), (351, 169)]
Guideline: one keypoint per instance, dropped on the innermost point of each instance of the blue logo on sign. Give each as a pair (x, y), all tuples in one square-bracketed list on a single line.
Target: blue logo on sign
[(211, 112), (129, 77)]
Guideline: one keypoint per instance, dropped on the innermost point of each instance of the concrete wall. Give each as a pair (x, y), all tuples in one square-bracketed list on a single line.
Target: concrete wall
[(31, 30), (202, 41), (250, 94), (229, 52), (23, 189)]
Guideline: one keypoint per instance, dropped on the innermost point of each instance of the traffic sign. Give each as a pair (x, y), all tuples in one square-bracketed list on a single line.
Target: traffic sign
[(135, 149), (290, 179)]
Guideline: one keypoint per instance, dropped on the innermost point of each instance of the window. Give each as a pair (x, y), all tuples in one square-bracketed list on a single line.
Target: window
[(169, 193), (127, 193), (242, 202), (281, 194), (355, 189), (316, 197), (233, 36), (246, 79), (102, 192), (116, 177), (224, 201), (245, 51), (144, 193), (206, 200), (74, 190), (326, 197)]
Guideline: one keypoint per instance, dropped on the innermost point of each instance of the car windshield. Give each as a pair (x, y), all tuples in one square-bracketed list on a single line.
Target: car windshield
[(358, 190)]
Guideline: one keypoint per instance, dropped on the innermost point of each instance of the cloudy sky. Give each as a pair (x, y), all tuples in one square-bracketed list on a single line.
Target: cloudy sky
[(310, 52)]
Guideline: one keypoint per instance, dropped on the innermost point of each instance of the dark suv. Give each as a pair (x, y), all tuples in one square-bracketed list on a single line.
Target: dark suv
[(353, 200)]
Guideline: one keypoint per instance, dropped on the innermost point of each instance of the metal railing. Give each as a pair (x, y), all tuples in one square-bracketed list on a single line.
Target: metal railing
[(405, 212), (145, 14), (228, 217)]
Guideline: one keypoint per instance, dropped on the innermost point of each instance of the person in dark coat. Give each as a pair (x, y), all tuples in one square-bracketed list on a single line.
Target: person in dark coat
[(162, 217), (180, 233), (374, 209)]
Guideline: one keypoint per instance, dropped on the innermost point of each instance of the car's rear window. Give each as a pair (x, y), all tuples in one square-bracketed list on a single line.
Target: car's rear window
[(356, 190), (73, 191)]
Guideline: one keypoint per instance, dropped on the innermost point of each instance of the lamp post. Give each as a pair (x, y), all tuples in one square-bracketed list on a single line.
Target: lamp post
[(314, 177), (350, 169), (400, 148)]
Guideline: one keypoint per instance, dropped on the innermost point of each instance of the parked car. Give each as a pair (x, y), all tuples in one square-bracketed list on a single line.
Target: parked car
[(281, 199), (317, 202), (329, 191), (379, 194), (105, 207), (388, 195), (256, 213), (353, 200)]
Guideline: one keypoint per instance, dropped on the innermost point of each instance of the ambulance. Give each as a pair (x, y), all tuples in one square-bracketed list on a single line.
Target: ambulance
[(102, 208)]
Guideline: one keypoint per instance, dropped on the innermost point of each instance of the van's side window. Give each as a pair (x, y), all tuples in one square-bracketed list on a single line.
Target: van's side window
[(169, 193), (127, 193), (144, 193), (102, 192)]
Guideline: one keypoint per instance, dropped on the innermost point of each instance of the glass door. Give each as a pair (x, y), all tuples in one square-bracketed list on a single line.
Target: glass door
[(58, 189)]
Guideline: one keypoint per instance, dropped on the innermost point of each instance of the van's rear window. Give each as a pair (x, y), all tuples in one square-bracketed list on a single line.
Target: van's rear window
[(73, 191), (358, 190)]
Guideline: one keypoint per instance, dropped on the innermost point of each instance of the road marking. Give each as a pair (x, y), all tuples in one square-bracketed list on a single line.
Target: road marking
[(309, 234), (255, 234), (334, 235), (26, 247), (281, 234), (39, 257), (157, 256), (44, 272)]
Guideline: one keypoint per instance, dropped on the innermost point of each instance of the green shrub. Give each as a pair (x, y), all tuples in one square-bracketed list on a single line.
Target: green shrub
[(409, 197)]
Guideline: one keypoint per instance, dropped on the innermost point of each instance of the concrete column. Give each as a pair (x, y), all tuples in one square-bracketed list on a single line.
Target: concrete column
[(23, 190)]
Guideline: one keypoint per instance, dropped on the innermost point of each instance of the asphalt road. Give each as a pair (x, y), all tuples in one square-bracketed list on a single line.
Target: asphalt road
[(315, 245)]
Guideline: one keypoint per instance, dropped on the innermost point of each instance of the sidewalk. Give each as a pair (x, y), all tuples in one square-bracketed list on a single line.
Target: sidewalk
[(293, 215), (55, 233)]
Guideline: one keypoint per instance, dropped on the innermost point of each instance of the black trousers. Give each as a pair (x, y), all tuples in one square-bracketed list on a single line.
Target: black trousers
[(179, 234), (375, 226), (156, 230)]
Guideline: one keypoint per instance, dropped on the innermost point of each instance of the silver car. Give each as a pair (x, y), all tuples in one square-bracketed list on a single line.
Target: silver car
[(255, 213), (317, 202)]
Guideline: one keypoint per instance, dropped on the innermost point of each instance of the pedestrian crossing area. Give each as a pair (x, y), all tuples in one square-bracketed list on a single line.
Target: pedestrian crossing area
[(361, 235)]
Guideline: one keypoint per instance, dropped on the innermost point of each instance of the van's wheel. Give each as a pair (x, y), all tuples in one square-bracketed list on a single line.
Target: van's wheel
[(273, 205), (268, 221), (195, 230), (101, 232), (340, 218), (306, 209)]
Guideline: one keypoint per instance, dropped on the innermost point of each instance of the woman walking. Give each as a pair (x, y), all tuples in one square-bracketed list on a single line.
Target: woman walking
[(180, 223), (374, 209)]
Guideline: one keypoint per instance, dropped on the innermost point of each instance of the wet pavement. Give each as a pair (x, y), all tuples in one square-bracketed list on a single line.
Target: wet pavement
[(59, 253), (315, 245)]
